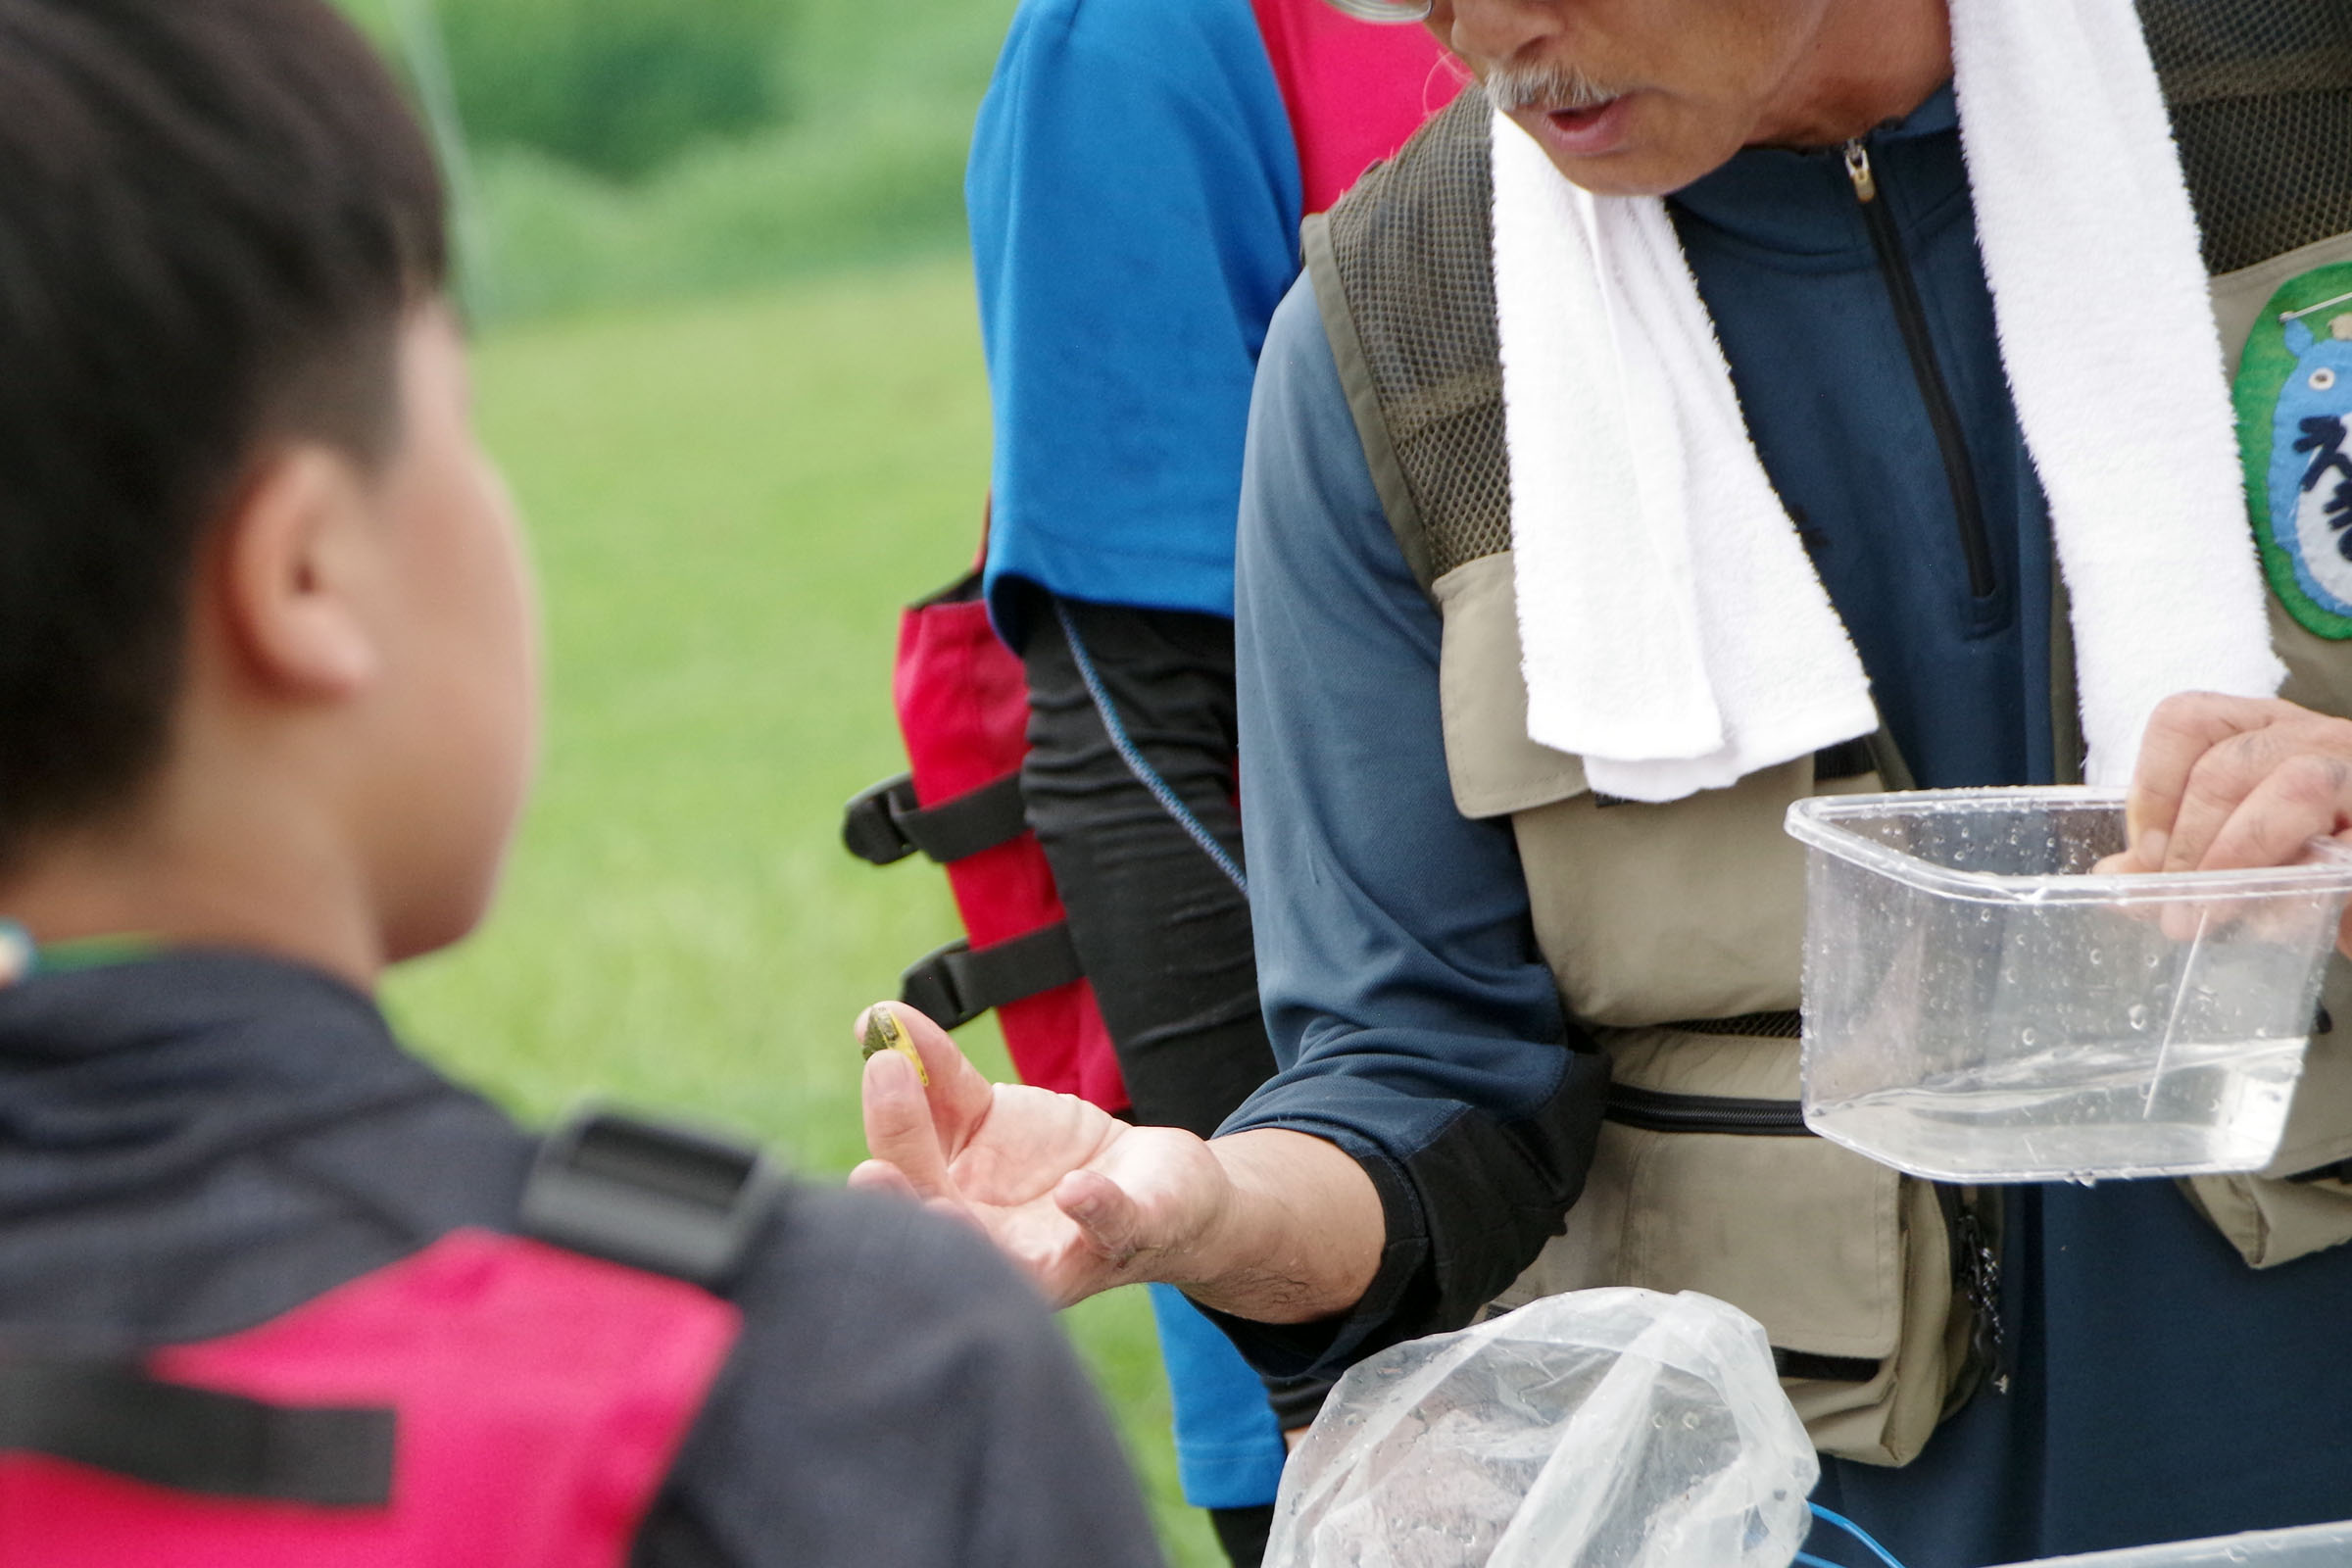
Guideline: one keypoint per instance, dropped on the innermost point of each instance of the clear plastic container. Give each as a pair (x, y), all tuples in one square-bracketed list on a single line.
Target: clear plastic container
[(2311, 1546), (1980, 1007)]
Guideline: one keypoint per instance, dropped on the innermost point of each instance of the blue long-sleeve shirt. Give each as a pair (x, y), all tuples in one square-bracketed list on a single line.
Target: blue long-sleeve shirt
[(2164, 1389)]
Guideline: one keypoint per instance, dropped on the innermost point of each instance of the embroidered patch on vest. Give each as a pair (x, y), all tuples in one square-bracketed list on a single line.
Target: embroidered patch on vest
[(2295, 428)]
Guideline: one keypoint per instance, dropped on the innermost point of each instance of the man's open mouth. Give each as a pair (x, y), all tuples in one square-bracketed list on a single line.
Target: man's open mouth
[(1579, 119)]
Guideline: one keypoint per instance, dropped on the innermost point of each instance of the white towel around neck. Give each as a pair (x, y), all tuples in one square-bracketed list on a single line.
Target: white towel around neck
[(1674, 634)]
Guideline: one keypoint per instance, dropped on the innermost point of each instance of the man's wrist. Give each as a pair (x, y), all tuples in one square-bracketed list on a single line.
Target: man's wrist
[(1298, 1234)]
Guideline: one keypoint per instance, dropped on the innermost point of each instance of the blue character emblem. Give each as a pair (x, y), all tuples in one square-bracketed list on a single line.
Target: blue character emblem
[(2293, 394), (2310, 480)]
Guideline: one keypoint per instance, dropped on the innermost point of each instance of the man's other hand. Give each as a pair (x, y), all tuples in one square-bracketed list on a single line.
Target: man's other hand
[(2227, 783), (1269, 1224)]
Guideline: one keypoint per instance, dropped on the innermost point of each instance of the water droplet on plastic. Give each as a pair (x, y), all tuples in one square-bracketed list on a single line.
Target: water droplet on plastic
[(2097, 957), (2027, 1036), (2138, 1015)]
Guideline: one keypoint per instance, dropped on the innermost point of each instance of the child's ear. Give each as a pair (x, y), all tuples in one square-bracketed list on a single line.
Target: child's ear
[(293, 576)]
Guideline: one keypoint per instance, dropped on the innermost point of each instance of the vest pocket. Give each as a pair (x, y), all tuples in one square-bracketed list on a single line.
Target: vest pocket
[(2301, 1202), (1705, 1179)]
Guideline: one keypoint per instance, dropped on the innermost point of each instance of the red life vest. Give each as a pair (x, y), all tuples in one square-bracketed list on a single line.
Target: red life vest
[(1354, 94), (532, 1399)]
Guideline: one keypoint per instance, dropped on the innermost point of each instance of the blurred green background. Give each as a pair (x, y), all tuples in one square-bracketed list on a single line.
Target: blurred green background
[(635, 151), (727, 353)]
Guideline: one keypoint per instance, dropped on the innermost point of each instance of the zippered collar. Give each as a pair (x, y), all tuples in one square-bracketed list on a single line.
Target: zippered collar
[(1799, 204)]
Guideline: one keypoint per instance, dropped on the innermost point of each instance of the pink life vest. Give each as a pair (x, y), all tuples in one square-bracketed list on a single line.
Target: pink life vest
[(537, 1399)]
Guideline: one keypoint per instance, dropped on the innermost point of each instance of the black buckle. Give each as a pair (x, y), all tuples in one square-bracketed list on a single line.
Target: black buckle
[(869, 824), (655, 1197), (929, 987)]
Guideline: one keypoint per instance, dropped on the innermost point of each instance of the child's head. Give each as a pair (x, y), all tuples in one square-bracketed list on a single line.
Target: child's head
[(266, 657)]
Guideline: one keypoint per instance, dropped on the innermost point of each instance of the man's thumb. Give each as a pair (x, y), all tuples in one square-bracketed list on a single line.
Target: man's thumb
[(1105, 1216)]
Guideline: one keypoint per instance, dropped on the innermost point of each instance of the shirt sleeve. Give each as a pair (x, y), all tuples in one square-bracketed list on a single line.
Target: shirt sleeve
[(900, 1396), (1413, 1019), (1133, 195)]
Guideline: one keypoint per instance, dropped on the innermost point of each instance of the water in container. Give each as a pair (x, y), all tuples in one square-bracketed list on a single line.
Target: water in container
[(1984, 1003)]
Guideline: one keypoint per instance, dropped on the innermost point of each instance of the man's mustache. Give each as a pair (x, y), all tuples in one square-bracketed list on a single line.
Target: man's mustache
[(1544, 86)]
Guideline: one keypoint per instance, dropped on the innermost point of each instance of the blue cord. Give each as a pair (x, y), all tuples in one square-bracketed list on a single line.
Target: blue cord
[(1145, 773), (1805, 1560), (1854, 1530)]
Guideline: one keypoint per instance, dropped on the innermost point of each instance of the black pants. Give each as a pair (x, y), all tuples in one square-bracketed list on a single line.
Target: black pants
[(1162, 931)]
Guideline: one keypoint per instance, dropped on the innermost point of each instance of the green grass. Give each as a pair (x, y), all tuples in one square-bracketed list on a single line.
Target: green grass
[(729, 501)]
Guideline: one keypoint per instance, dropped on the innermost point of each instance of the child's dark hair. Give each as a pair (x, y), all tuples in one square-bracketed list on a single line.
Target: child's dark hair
[(214, 215)]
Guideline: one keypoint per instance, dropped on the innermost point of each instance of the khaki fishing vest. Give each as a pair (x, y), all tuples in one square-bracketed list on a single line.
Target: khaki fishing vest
[(1674, 931)]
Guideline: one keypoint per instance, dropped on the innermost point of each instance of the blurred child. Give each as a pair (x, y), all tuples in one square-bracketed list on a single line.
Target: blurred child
[(267, 710)]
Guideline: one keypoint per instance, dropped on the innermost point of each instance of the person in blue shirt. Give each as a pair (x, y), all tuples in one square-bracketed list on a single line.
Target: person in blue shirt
[(1137, 178)]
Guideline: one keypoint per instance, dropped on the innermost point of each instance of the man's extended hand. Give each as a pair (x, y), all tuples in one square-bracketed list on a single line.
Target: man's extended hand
[(2226, 783), (1080, 1198), (1273, 1225)]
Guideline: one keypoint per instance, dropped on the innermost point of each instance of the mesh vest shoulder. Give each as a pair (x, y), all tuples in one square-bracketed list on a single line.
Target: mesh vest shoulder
[(1674, 931)]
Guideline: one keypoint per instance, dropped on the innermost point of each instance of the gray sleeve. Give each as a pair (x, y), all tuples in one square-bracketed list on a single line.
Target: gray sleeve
[(1415, 1024), (899, 1395)]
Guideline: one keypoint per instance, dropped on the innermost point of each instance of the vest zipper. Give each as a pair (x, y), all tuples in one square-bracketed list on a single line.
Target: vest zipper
[(1976, 1264), (1656, 1110), (1977, 1279), (1912, 318)]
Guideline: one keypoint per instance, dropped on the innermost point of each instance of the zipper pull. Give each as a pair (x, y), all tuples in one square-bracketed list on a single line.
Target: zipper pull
[(1982, 1288), (1857, 169)]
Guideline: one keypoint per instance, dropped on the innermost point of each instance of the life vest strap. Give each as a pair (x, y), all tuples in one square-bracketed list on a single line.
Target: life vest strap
[(887, 823), (113, 1415), (959, 982)]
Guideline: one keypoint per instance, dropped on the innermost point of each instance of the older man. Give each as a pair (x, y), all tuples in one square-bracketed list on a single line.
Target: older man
[(1489, 885)]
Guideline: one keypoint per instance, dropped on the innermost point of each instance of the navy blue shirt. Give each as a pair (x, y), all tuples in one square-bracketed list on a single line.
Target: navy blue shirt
[(2164, 1389)]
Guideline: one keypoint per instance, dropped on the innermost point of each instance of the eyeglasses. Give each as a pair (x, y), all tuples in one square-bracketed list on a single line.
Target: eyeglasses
[(1381, 9)]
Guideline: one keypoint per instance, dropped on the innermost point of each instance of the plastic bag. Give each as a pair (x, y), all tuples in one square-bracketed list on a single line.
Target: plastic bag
[(1599, 1429)]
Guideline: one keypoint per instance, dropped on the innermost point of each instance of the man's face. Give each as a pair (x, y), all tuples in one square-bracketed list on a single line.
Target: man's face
[(1634, 97)]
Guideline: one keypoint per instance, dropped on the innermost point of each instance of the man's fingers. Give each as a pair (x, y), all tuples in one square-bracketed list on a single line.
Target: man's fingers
[(2302, 799), (899, 1130), (958, 1092), (2179, 733), (2217, 788)]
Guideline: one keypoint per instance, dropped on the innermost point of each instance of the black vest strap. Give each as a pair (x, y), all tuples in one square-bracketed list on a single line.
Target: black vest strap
[(886, 825), (959, 982), (113, 1415)]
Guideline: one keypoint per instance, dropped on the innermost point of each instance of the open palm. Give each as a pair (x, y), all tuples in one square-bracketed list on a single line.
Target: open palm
[(1078, 1198)]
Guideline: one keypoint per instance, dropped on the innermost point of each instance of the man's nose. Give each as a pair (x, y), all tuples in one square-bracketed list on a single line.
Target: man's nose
[(1495, 32)]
